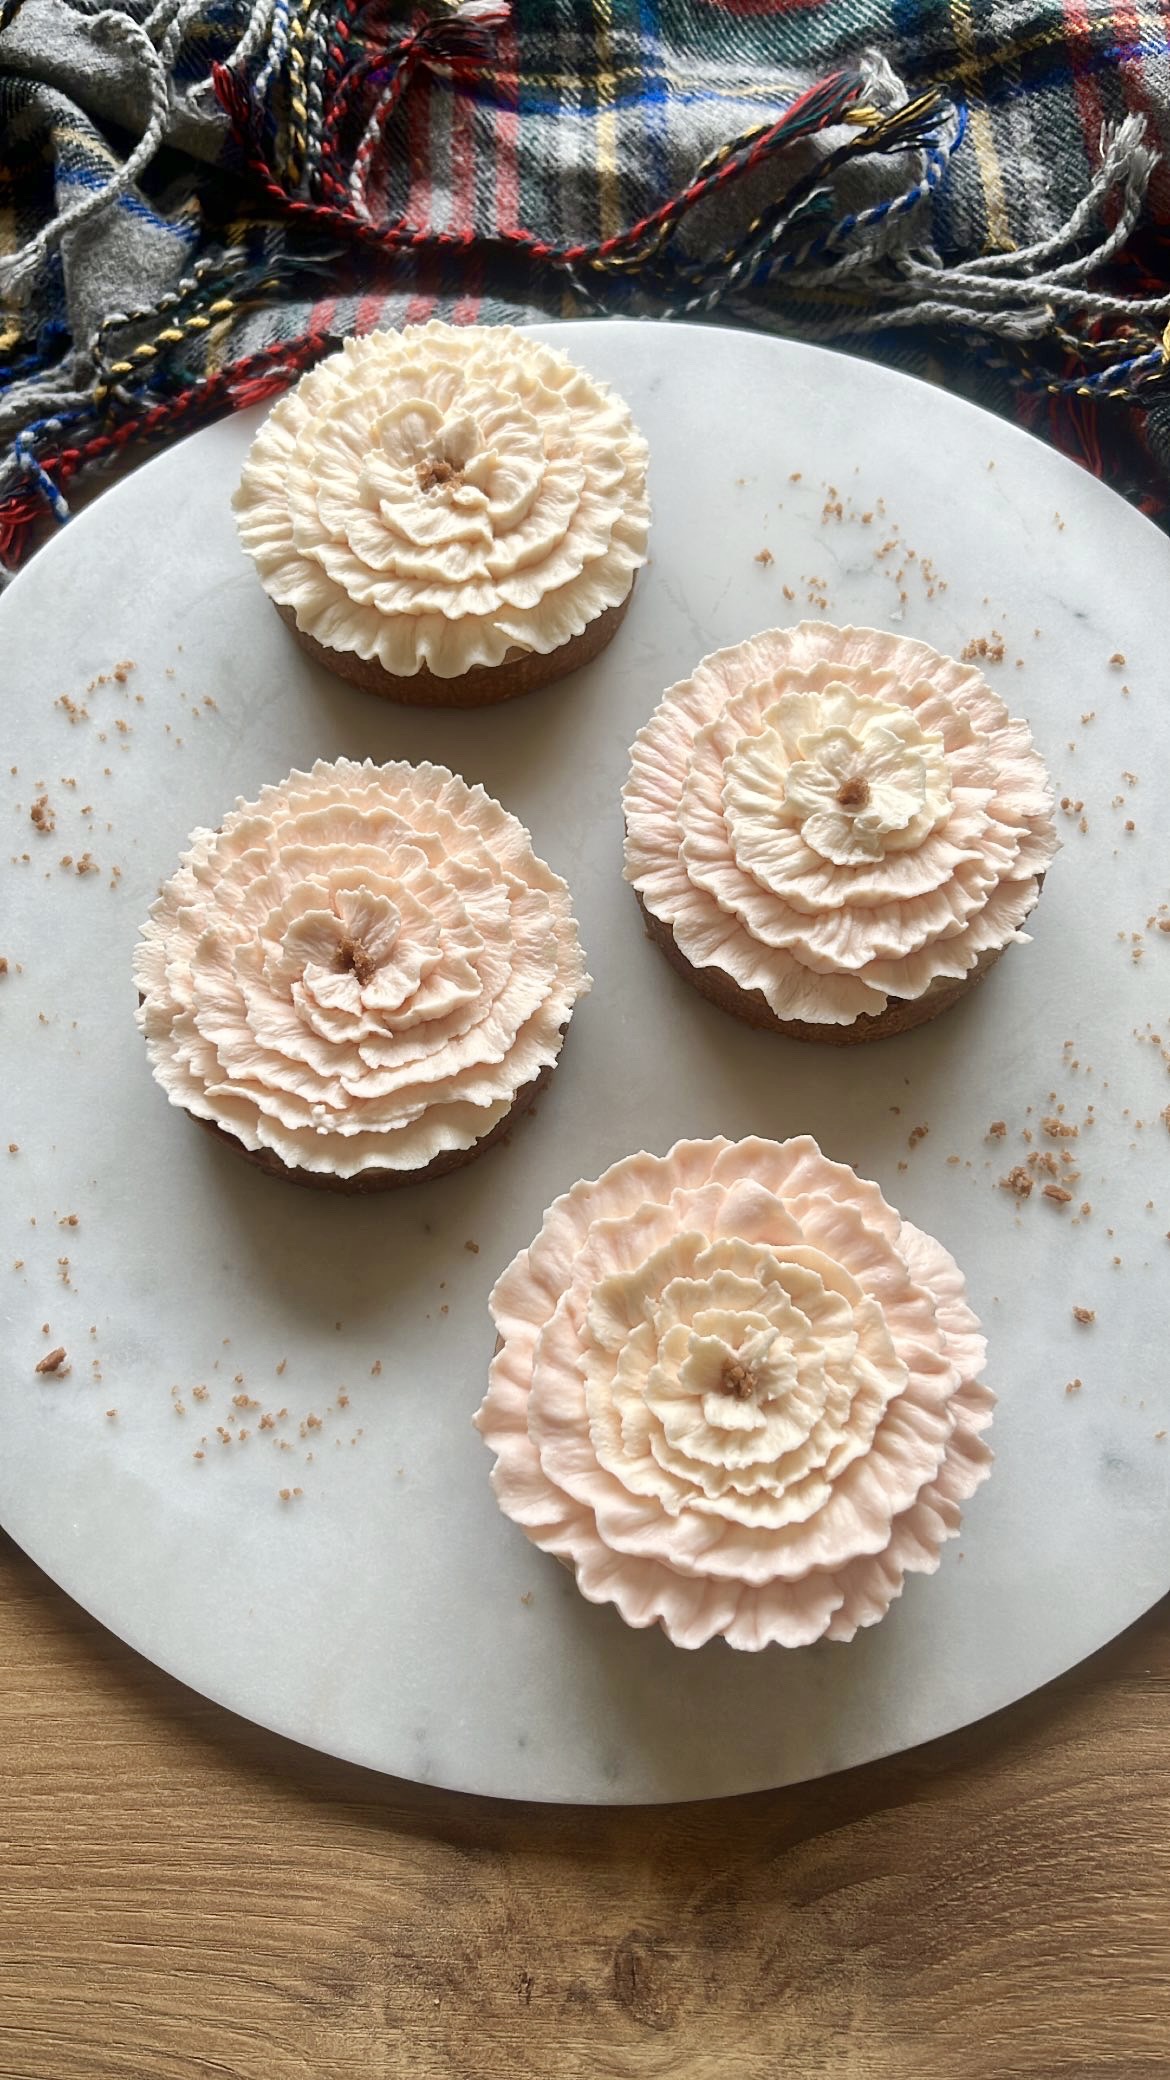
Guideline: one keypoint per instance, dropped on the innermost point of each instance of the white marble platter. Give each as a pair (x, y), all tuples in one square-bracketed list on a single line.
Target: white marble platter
[(386, 1612)]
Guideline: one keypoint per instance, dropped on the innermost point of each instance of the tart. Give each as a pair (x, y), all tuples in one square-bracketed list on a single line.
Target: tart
[(448, 514), (362, 977), (736, 1393), (835, 832)]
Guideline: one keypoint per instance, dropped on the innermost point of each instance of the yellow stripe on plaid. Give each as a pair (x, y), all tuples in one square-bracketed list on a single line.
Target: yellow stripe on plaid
[(608, 200), (999, 237)]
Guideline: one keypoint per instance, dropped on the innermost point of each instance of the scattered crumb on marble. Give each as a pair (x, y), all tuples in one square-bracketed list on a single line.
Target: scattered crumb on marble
[(990, 647), (764, 557), (376, 1368), (1018, 1181), (1074, 1386), (473, 1247), (1117, 659), (916, 1135), (1084, 1314), (1058, 1193), (53, 1361)]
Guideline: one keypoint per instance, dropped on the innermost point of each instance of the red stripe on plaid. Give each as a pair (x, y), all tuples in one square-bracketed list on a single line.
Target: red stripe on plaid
[(466, 310), (508, 130)]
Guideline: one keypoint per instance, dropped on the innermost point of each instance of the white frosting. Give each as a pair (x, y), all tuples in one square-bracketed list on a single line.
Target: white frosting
[(444, 496), (835, 817), (360, 970), (737, 1392)]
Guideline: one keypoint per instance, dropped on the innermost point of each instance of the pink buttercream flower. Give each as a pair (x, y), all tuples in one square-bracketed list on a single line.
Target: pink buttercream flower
[(360, 970), (834, 817), (737, 1393)]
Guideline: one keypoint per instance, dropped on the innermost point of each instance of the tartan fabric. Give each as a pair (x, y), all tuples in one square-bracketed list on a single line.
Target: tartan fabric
[(197, 197)]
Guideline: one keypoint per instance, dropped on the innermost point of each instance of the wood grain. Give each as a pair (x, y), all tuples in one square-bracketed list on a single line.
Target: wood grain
[(182, 1894)]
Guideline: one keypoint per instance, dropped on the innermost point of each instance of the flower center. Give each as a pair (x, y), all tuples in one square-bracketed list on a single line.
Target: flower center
[(854, 793), (353, 955), (737, 1379), (436, 472)]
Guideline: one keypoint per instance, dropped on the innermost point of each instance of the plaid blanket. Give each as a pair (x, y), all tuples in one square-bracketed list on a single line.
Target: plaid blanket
[(198, 197)]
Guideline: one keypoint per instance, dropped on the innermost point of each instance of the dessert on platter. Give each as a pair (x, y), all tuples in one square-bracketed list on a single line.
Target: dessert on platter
[(835, 832), (736, 1393), (361, 977), (448, 514)]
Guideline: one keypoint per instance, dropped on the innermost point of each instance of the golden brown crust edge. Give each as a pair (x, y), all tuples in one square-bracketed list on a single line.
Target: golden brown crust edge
[(483, 685), (384, 1180), (900, 1015)]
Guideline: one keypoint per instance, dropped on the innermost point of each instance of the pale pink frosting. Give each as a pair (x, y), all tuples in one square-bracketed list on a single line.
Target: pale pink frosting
[(360, 970), (737, 1392), (737, 836), (445, 495)]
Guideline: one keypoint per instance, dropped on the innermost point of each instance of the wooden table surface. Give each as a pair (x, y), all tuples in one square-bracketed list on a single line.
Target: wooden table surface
[(182, 1894)]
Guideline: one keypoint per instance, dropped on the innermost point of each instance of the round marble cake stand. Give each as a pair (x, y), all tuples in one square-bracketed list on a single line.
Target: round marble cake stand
[(386, 1612)]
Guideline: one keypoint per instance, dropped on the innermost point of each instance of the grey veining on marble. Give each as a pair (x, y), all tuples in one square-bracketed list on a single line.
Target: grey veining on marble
[(389, 1613)]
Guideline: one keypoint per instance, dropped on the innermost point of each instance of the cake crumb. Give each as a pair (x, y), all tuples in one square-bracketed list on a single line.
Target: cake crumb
[(473, 1247), (111, 1415), (280, 1367), (916, 1135), (1074, 1386), (1017, 1181), (1084, 1314), (1059, 1129), (991, 647), (43, 816), (1057, 1193), (764, 557), (376, 1369), (997, 1130), (1117, 659), (68, 1220), (527, 1597), (53, 1361)]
